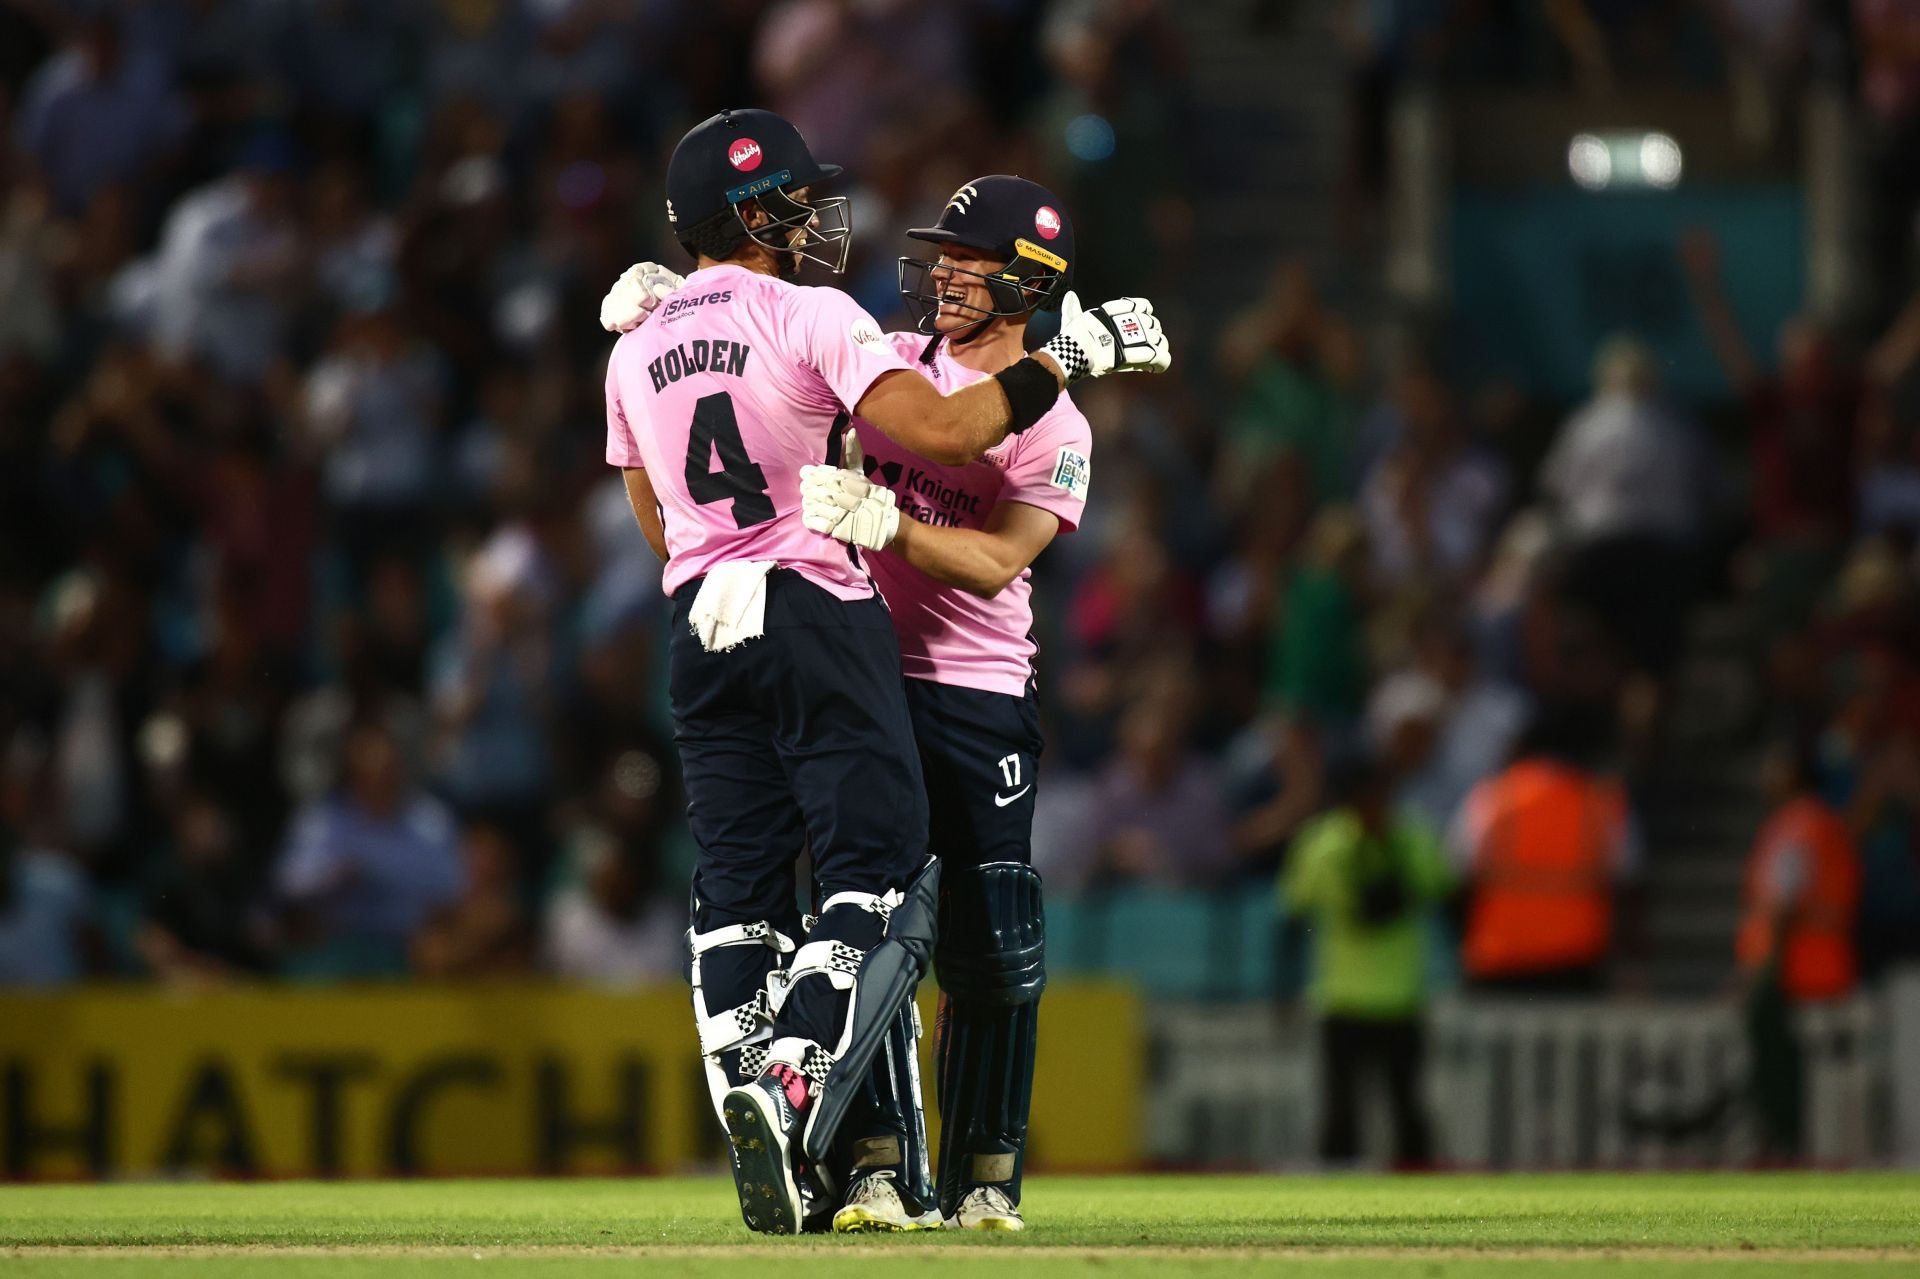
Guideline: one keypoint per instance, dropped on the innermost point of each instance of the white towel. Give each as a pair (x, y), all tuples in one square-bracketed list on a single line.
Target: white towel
[(731, 607)]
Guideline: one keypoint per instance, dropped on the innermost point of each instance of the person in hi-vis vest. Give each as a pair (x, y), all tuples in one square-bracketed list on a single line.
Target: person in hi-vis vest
[(1544, 846), (1802, 888)]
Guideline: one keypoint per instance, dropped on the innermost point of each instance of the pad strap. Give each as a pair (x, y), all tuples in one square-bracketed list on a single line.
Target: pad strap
[(881, 904), (804, 1055), (758, 932), (839, 961), (730, 1029)]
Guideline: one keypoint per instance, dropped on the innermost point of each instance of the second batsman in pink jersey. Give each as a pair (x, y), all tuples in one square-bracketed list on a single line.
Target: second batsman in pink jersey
[(974, 630), (952, 563)]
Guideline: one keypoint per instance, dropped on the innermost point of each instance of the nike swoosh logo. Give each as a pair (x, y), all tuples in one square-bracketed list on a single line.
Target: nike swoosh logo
[(1001, 801)]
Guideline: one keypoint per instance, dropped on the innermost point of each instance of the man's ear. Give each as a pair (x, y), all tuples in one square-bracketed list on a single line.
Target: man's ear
[(755, 216)]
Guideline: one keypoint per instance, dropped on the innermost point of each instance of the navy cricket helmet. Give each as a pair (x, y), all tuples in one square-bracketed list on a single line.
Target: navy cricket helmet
[(751, 155), (1010, 218)]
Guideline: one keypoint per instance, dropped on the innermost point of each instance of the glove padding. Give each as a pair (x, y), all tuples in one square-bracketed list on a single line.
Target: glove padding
[(1121, 336), (634, 296), (844, 504)]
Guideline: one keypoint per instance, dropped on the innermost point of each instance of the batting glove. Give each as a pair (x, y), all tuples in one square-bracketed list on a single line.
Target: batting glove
[(1121, 336), (634, 295), (844, 504)]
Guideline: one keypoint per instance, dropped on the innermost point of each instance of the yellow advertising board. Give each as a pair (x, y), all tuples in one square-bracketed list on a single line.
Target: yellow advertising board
[(406, 1080)]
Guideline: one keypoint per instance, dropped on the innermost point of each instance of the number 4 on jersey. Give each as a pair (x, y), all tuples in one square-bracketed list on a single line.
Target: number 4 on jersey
[(716, 430)]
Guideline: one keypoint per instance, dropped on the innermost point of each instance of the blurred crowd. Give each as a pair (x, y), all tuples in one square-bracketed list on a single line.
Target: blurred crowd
[(328, 646)]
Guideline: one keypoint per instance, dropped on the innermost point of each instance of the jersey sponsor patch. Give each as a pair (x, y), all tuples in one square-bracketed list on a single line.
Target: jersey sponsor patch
[(1072, 473), (866, 333)]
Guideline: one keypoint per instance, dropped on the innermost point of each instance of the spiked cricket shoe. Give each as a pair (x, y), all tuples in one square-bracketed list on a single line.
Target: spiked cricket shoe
[(762, 1122)]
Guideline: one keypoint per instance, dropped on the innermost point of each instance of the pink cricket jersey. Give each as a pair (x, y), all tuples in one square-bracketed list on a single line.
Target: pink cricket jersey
[(734, 383), (946, 634)]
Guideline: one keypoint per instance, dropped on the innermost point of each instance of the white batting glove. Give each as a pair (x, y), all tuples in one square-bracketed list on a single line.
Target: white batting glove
[(842, 503), (1121, 336), (634, 295)]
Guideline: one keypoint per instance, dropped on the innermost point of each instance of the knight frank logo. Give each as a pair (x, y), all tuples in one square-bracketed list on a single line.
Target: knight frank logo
[(889, 471), (924, 496)]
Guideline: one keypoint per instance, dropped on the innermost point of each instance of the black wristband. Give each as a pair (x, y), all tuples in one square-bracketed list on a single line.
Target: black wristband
[(1031, 389)]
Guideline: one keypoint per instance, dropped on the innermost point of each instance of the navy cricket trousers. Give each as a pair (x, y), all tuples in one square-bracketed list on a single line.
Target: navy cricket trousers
[(798, 739)]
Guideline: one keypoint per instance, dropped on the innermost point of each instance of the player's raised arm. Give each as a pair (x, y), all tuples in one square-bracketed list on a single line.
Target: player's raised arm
[(1122, 336)]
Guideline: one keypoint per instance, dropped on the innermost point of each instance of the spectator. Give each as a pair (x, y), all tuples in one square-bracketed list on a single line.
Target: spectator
[(1802, 889), (483, 932), (1544, 846), (1443, 727), (98, 114), (1802, 419), (372, 419), (1431, 500), (491, 683), (610, 926), (1365, 879), (47, 934), (203, 920), (1796, 940), (365, 867), (1628, 482), (221, 289), (1318, 664), (1290, 439), (1162, 817)]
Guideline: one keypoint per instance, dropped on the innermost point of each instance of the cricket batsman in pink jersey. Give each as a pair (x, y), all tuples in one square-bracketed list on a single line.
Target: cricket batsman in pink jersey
[(949, 546), (784, 678)]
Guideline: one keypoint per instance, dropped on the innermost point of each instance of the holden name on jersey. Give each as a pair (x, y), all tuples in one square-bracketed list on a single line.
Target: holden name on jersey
[(699, 356)]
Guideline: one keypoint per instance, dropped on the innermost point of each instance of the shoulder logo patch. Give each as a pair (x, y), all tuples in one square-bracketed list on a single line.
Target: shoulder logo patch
[(1072, 472), (866, 333)]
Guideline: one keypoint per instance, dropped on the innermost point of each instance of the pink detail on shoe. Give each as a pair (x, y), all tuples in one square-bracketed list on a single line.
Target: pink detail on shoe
[(793, 1082)]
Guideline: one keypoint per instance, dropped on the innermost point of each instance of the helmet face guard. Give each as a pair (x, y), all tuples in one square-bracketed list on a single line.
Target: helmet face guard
[(820, 232), (1034, 280)]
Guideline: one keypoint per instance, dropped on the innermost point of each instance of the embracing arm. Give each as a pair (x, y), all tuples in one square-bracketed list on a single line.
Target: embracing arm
[(950, 429), (980, 561)]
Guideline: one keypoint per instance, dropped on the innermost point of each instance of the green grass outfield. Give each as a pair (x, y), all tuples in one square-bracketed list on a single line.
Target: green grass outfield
[(1801, 1224)]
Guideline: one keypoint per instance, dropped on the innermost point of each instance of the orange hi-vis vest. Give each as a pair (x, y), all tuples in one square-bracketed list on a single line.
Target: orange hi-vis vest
[(1812, 931), (1546, 839)]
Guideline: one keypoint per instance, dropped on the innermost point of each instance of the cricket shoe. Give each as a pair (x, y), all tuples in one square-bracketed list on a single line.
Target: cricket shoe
[(763, 1124), (874, 1206), (986, 1208)]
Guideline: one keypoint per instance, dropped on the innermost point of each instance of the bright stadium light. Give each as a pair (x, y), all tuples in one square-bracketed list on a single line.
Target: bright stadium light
[(1590, 162), (1626, 159), (1660, 161)]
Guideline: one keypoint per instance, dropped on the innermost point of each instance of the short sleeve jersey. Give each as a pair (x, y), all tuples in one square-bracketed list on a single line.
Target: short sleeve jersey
[(948, 635), (736, 382)]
